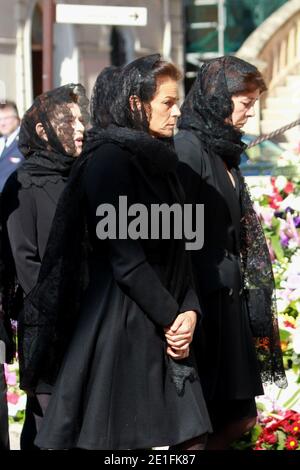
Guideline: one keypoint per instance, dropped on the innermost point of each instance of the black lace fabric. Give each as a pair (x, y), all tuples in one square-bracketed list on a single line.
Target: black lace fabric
[(52, 155), (206, 107), (259, 287)]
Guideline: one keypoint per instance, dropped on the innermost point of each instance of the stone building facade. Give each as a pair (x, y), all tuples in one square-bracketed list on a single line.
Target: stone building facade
[(79, 51)]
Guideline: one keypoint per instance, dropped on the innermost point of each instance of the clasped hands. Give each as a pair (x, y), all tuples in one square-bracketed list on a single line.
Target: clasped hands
[(179, 335)]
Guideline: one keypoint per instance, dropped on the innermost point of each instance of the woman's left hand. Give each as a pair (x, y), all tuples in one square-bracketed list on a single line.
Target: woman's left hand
[(180, 334)]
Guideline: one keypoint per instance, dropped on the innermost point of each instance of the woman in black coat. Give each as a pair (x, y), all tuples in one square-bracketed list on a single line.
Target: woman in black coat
[(51, 137), (238, 344), (124, 383)]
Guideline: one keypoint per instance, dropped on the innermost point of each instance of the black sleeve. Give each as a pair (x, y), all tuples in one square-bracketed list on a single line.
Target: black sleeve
[(108, 176), (21, 227), (190, 302)]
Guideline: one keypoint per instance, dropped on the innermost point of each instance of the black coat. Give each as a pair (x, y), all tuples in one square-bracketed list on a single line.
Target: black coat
[(227, 361), (28, 213), (114, 390)]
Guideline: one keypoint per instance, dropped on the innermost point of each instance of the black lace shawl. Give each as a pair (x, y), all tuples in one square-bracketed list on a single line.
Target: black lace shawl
[(48, 160), (54, 303), (259, 288), (206, 107)]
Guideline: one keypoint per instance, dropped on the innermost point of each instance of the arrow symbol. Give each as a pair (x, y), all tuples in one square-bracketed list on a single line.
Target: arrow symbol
[(134, 16)]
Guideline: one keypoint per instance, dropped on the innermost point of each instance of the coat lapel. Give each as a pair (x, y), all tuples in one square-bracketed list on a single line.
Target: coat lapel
[(13, 147), (231, 196)]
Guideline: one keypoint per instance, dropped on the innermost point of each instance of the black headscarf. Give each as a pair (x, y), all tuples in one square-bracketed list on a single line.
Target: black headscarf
[(209, 103), (49, 158), (204, 111)]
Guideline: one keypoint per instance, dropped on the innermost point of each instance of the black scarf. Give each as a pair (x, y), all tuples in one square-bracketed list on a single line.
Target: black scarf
[(45, 166), (157, 156)]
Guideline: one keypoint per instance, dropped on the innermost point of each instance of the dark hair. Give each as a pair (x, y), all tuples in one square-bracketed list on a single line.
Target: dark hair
[(11, 105), (102, 96), (242, 77), (140, 78), (160, 71)]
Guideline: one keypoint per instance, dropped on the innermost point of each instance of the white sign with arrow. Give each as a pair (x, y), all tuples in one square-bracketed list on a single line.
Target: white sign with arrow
[(91, 14)]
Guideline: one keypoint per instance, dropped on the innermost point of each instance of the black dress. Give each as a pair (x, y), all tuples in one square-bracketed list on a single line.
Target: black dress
[(227, 360), (114, 389)]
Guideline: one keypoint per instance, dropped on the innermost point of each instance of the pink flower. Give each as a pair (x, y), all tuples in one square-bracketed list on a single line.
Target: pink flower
[(11, 378), (288, 324), (274, 200), (271, 250), (289, 188), (12, 398)]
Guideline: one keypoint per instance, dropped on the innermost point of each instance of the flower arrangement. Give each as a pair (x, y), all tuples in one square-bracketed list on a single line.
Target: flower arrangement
[(279, 431), (16, 398), (276, 430), (277, 203), (278, 206)]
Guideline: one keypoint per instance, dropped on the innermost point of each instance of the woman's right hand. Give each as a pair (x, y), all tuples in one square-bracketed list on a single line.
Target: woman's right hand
[(179, 335)]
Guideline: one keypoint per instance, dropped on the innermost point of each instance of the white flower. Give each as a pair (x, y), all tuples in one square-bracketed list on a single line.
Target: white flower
[(292, 244), (280, 182), (19, 406), (296, 340), (295, 294), (290, 201), (282, 304)]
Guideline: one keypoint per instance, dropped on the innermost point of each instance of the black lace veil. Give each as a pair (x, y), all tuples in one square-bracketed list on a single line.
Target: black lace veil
[(209, 103), (53, 110), (206, 107)]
